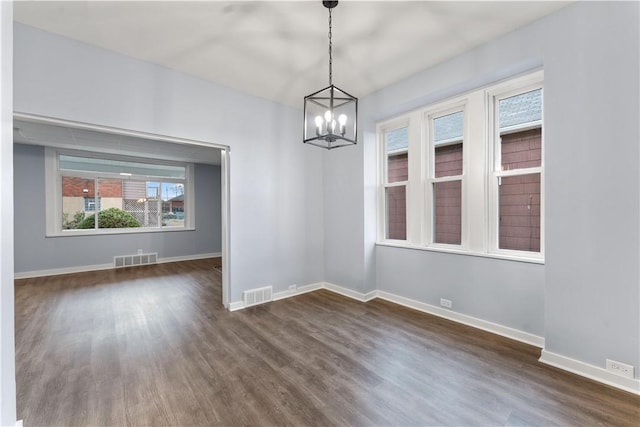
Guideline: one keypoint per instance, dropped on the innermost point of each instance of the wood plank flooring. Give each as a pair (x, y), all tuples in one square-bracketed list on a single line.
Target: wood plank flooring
[(153, 346)]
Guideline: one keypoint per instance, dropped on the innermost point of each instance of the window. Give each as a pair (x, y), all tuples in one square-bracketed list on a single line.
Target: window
[(396, 174), (446, 177), (94, 193), (466, 175), (89, 202), (517, 171)]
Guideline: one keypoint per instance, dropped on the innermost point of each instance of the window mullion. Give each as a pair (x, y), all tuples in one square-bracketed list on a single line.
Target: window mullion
[(516, 172), (96, 189), (447, 178), (414, 189)]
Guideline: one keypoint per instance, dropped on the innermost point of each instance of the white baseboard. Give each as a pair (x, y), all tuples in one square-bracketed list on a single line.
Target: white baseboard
[(236, 305), (189, 257), (19, 423), (64, 270), (96, 267), (299, 291), (350, 293), (494, 328), (590, 371), (239, 305)]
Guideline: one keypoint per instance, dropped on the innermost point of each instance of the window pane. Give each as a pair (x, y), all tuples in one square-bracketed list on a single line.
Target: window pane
[(172, 204), (152, 201), (111, 213), (398, 168), (397, 143), (448, 160), (520, 109), (77, 195), (89, 164), (448, 127), (520, 213), (522, 149), (396, 203), (447, 209), (90, 204)]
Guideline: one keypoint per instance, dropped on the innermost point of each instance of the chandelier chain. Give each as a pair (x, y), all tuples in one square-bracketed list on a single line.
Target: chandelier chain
[(330, 53)]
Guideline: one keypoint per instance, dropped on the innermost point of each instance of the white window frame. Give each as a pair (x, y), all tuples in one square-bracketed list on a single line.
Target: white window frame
[(495, 174), (479, 194), (53, 193), (383, 183), (441, 110)]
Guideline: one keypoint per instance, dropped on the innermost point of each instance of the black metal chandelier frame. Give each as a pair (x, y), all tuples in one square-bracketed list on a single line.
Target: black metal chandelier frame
[(331, 100)]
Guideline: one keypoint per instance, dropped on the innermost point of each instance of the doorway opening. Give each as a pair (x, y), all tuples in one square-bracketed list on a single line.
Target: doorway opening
[(174, 192)]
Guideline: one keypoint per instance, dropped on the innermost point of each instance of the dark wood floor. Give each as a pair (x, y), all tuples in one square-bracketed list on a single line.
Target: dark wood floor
[(153, 346)]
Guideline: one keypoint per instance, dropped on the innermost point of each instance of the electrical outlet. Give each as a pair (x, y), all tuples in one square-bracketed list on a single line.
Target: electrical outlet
[(620, 368), (293, 287), (446, 303)]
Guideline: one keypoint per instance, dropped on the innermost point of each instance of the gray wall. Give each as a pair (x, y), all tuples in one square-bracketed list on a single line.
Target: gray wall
[(276, 224), (33, 251), (585, 300)]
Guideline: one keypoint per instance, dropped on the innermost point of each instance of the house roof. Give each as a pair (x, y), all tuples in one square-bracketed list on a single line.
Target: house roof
[(179, 198), (519, 109)]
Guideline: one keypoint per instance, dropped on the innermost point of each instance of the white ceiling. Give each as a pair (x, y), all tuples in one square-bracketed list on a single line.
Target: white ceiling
[(278, 50)]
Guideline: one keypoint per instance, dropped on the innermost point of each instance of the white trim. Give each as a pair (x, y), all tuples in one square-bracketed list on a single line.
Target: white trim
[(19, 423), (358, 296), (225, 175), (298, 291), (64, 270), (109, 266), (27, 117), (236, 305), (189, 257), (111, 231), (590, 371), (350, 293), (495, 328), (511, 256), (239, 305)]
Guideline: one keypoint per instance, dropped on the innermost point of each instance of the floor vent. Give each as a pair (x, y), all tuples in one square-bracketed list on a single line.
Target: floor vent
[(133, 260), (257, 296)]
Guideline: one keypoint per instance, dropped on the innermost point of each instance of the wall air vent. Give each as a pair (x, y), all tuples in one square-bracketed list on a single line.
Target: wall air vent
[(257, 296), (120, 261)]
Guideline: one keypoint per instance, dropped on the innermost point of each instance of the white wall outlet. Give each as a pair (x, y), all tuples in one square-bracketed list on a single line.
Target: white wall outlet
[(139, 251), (620, 368), (446, 303), (293, 287)]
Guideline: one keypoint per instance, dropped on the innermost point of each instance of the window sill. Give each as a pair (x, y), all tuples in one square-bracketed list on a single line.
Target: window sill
[(110, 231), (506, 257)]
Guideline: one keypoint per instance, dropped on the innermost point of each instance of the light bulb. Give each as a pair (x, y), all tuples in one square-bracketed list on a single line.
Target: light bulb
[(333, 126), (342, 118), (318, 121), (328, 116)]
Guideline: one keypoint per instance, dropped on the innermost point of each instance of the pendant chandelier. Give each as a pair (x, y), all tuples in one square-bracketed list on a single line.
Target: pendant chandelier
[(330, 114)]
